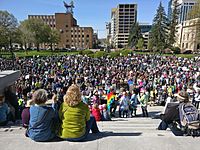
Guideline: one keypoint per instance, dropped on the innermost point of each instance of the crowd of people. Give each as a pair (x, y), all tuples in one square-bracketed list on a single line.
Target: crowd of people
[(106, 84)]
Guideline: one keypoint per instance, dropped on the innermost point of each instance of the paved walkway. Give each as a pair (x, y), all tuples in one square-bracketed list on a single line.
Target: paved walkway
[(120, 134)]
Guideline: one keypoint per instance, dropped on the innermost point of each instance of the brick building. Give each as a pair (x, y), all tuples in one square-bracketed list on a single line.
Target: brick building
[(72, 35)]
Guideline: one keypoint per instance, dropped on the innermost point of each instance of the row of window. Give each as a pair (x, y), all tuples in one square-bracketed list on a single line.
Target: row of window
[(127, 6), (185, 45), (79, 36), (188, 36)]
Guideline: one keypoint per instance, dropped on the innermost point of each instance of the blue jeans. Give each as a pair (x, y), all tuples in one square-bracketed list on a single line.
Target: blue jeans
[(90, 125)]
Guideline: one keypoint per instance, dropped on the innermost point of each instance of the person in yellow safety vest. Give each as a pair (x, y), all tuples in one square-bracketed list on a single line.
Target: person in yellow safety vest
[(20, 102), (169, 90)]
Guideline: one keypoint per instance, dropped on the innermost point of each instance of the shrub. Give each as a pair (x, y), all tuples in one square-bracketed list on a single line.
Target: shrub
[(114, 54), (176, 50), (100, 54), (87, 52), (126, 52)]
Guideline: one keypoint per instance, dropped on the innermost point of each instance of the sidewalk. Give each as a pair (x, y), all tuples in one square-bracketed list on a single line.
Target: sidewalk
[(121, 133)]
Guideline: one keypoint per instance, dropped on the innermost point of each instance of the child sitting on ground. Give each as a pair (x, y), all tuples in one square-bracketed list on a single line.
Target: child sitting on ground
[(96, 112), (4, 111)]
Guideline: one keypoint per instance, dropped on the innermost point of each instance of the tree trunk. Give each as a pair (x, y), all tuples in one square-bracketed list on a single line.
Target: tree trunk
[(51, 45), (38, 47)]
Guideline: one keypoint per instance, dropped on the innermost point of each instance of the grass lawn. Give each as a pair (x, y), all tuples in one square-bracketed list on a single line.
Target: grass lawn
[(97, 54), (177, 55), (41, 53)]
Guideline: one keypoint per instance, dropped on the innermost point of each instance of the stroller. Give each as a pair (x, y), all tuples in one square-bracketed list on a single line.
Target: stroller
[(189, 119)]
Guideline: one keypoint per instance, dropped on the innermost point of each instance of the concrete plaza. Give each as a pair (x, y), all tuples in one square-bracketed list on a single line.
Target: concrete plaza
[(120, 134)]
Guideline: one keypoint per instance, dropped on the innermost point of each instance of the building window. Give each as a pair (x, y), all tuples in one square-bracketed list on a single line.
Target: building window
[(66, 26), (186, 45), (88, 36), (183, 45)]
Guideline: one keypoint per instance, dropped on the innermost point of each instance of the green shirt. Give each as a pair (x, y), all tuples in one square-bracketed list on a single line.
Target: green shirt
[(143, 100), (73, 120)]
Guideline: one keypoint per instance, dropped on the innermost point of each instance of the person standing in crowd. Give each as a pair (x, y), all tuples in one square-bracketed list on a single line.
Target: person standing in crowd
[(96, 112), (143, 99), (105, 114), (43, 118), (4, 111), (76, 121), (124, 105), (134, 102)]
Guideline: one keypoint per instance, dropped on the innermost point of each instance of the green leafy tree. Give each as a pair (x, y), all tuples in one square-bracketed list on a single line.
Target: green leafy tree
[(140, 44), (159, 29), (27, 36), (134, 35), (40, 30), (8, 27), (195, 11), (173, 24), (150, 44), (54, 37)]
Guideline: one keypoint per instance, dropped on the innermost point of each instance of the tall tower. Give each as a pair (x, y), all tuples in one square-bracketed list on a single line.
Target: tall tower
[(122, 19)]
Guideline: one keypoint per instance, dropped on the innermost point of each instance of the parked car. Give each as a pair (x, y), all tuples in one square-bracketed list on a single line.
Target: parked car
[(187, 52)]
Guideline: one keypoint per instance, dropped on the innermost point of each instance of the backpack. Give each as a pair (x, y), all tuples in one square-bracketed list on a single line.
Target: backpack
[(189, 116)]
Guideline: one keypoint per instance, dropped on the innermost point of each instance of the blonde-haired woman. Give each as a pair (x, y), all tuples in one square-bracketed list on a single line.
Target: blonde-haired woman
[(76, 121)]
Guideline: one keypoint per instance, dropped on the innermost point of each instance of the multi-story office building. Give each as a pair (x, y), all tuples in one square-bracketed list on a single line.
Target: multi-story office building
[(184, 6), (169, 14), (190, 35), (113, 25), (72, 36), (122, 18)]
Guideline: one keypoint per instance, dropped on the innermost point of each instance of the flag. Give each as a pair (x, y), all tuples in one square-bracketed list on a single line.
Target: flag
[(110, 99)]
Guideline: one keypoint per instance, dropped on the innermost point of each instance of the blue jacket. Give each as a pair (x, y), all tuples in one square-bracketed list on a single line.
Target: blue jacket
[(42, 122), (4, 110)]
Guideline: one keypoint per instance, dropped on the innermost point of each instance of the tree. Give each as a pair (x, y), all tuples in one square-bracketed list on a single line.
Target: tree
[(150, 44), (134, 35), (40, 31), (195, 11), (54, 37), (160, 29), (173, 24), (140, 44), (27, 36), (8, 27)]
